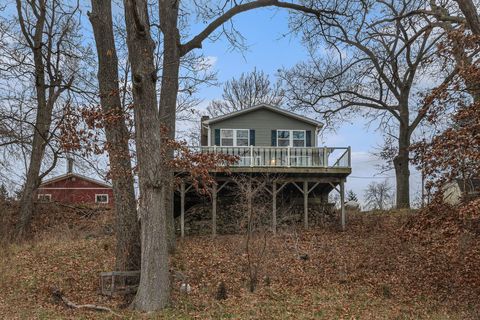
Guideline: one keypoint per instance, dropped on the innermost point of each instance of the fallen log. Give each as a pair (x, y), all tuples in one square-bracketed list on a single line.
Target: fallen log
[(59, 296)]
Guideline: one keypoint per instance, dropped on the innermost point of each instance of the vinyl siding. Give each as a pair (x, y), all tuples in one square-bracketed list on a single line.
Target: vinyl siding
[(263, 122)]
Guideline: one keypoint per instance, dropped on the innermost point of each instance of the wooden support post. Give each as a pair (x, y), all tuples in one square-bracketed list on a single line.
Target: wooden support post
[(182, 209), (250, 195), (214, 210), (342, 202), (305, 203), (274, 207)]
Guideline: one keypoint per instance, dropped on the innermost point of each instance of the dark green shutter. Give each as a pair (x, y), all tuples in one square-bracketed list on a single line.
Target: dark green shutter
[(308, 138), (217, 137), (252, 137), (274, 138)]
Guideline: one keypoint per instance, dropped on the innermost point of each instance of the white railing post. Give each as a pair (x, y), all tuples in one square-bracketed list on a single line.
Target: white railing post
[(325, 157), (288, 156), (349, 157), (251, 156)]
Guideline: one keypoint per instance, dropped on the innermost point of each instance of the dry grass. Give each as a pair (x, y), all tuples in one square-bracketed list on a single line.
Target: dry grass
[(371, 271)]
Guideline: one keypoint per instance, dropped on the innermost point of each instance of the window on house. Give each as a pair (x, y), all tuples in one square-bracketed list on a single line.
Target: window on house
[(291, 138), (298, 138), (283, 137), (101, 198), (242, 137), (45, 197), (234, 137)]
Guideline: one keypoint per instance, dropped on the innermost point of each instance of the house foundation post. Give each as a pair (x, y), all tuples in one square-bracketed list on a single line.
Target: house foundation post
[(342, 202), (182, 209), (214, 209), (274, 207), (305, 203)]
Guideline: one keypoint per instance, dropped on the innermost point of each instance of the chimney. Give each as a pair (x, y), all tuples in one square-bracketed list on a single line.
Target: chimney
[(69, 165), (203, 131)]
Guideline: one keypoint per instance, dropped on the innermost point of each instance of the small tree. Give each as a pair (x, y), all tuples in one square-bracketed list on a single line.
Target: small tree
[(351, 196), (379, 196), (252, 206)]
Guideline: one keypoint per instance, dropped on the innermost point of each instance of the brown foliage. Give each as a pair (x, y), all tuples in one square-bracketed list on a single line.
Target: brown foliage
[(455, 153)]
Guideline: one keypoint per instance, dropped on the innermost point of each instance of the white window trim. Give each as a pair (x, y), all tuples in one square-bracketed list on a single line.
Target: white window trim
[(234, 137), (48, 195), (101, 194), (290, 144)]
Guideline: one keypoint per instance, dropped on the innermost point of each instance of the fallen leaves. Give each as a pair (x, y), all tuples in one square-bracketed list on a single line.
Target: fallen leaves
[(383, 266)]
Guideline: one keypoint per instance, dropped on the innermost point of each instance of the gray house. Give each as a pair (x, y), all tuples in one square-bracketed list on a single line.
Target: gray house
[(262, 125), (270, 140)]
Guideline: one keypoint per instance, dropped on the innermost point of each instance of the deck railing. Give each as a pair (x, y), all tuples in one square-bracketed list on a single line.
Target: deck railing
[(256, 156)]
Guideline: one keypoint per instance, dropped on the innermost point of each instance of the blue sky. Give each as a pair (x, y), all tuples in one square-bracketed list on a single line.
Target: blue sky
[(271, 47), (269, 50)]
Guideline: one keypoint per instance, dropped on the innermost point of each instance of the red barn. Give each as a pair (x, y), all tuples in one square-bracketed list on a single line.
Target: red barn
[(74, 188)]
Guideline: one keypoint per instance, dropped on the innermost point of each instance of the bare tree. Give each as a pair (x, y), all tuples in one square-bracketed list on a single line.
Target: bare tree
[(376, 67), (252, 205), (43, 50), (250, 89), (379, 195)]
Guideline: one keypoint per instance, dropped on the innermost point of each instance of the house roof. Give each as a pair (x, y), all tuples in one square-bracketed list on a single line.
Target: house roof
[(68, 175), (267, 107)]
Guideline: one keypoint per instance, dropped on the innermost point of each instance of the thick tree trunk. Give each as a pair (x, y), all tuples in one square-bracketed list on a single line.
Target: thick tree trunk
[(127, 255), (154, 288), (32, 182), (401, 164), (168, 13)]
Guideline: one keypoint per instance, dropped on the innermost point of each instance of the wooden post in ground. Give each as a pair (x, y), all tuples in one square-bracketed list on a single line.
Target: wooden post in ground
[(250, 195), (182, 209), (274, 207), (342, 202), (214, 209), (305, 203)]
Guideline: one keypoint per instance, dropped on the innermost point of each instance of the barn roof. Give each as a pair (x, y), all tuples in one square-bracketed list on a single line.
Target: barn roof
[(267, 107), (69, 175)]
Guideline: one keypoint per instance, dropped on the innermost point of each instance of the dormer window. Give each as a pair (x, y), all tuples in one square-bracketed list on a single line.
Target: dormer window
[(291, 138), (234, 137)]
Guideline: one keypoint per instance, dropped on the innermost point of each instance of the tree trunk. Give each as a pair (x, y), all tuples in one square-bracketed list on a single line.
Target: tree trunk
[(168, 13), (154, 288), (127, 255), (32, 182), (401, 163)]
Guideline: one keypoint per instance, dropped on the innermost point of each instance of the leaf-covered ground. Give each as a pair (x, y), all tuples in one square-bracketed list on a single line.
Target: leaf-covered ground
[(376, 269)]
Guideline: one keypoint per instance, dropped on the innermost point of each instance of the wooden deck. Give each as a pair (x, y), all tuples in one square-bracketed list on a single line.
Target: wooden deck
[(286, 159), (305, 169)]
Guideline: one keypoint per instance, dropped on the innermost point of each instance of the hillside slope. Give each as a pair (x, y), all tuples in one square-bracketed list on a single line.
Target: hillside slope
[(375, 270)]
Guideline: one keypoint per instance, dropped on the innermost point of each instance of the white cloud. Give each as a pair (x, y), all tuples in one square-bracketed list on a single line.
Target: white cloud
[(210, 61)]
